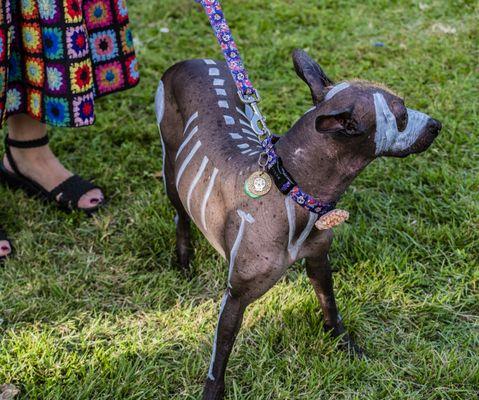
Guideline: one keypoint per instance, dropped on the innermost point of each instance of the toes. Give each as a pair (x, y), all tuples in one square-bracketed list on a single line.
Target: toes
[(5, 248), (91, 199)]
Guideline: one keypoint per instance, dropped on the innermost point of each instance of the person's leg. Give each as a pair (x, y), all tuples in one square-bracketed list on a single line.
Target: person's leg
[(40, 164)]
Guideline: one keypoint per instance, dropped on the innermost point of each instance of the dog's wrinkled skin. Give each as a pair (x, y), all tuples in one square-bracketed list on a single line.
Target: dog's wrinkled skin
[(209, 152)]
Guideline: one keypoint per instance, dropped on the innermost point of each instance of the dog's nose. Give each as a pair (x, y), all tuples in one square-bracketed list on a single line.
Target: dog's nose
[(434, 126)]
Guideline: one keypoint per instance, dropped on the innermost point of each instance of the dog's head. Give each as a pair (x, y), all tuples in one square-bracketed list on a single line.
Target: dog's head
[(362, 116)]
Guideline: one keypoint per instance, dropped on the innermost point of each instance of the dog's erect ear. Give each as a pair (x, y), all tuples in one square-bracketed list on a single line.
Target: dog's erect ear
[(339, 122), (310, 72)]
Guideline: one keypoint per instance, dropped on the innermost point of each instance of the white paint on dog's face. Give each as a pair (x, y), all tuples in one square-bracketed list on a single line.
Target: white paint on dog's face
[(388, 139), (336, 89), (245, 217)]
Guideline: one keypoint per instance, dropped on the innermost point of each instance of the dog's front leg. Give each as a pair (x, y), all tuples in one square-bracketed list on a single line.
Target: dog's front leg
[(229, 323), (321, 277)]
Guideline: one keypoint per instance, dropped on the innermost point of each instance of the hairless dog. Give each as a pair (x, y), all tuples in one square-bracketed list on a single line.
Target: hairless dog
[(209, 150)]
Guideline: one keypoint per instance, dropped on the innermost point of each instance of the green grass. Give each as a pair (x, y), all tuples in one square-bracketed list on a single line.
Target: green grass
[(94, 309)]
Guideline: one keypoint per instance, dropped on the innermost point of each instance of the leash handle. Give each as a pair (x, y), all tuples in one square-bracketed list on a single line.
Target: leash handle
[(248, 93)]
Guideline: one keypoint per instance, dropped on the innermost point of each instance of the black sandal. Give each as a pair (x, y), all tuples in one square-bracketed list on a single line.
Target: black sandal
[(3, 236), (70, 190)]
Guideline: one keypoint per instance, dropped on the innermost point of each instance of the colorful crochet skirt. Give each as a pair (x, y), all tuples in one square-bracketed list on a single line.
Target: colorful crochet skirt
[(57, 56)]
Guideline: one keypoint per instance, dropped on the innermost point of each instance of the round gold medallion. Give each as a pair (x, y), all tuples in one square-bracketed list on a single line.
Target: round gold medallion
[(258, 184)]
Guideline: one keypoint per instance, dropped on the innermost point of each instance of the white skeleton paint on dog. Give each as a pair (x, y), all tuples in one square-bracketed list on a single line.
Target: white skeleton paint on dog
[(245, 217), (335, 90), (294, 248), (388, 138)]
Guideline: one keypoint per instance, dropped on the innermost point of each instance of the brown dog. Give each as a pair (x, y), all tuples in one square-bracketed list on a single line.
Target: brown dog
[(209, 150)]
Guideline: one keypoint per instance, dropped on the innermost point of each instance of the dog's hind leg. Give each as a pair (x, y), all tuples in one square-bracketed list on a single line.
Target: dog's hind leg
[(321, 277), (168, 121)]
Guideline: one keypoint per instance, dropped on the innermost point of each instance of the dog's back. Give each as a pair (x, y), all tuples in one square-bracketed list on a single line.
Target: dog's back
[(208, 144)]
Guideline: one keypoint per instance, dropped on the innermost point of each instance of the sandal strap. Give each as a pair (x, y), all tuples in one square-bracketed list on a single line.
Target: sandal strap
[(71, 191), (27, 144), (22, 144)]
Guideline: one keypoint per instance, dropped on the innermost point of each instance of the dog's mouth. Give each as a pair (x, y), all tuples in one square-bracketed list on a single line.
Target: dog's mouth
[(424, 141)]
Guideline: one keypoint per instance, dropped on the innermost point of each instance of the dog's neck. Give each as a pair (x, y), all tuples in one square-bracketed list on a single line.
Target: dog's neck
[(314, 166)]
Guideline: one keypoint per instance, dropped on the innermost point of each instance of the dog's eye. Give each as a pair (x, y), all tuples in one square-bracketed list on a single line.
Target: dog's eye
[(400, 111)]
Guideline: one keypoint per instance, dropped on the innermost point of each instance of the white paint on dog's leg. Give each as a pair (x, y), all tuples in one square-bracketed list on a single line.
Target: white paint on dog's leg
[(186, 141), (335, 90), (294, 248), (229, 120), (214, 72), (209, 62), (213, 353), (236, 136), (388, 138), (190, 120), (223, 104), (160, 102), (245, 217), (220, 92), (218, 82), (207, 196), (186, 161), (195, 181), (163, 150), (243, 146)]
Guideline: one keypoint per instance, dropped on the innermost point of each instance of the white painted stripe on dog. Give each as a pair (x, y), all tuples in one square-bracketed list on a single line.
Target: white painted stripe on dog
[(294, 248), (229, 120), (242, 113), (186, 161), (186, 141), (218, 82), (220, 92), (236, 136), (190, 120), (243, 146), (388, 137), (245, 217), (207, 196), (335, 90), (243, 122), (195, 181), (209, 62), (246, 151), (213, 353), (254, 153), (311, 109), (214, 72), (160, 102), (163, 149), (223, 104)]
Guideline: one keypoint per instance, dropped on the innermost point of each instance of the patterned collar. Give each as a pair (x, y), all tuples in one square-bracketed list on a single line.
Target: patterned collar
[(286, 183)]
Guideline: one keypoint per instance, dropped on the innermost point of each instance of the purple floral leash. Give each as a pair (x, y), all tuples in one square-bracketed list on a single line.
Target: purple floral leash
[(268, 160)]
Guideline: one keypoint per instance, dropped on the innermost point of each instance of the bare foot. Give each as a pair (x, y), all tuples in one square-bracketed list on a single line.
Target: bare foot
[(41, 165)]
